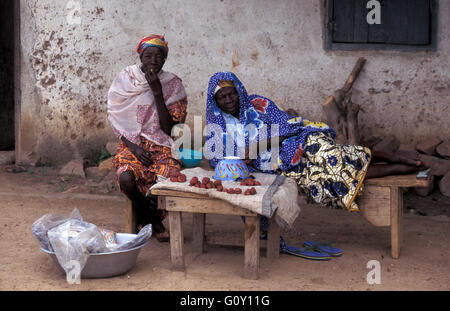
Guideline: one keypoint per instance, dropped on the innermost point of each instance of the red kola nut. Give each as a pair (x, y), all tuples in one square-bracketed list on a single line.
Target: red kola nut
[(238, 190), (219, 188), (174, 179), (205, 180)]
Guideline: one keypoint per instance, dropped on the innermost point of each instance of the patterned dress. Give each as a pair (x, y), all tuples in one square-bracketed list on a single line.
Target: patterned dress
[(133, 114), (163, 162), (332, 174)]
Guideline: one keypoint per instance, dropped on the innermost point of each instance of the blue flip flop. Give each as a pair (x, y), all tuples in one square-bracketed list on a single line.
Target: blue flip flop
[(307, 253), (324, 247), (311, 253)]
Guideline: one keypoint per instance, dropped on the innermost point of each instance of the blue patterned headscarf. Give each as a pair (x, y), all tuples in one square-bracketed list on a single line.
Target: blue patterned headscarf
[(256, 110)]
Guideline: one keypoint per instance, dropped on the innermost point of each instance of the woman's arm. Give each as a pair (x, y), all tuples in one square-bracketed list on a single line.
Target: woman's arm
[(258, 146), (165, 120)]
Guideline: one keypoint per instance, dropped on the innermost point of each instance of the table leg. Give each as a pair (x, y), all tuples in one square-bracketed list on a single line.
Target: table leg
[(251, 251), (396, 221), (273, 239), (198, 232), (130, 225), (176, 240)]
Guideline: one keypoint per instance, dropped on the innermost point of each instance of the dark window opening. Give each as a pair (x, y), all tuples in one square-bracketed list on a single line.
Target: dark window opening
[(404, 25), (7, 138)]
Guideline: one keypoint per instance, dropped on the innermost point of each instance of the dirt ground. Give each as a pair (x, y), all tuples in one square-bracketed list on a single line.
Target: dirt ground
[(424, 263)]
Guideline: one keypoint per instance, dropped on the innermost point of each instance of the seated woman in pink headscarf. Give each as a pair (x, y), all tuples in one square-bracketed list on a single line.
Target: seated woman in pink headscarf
[(144, 103)]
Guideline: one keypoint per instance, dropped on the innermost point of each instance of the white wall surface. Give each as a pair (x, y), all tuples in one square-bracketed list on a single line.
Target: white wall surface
[(275, 47)]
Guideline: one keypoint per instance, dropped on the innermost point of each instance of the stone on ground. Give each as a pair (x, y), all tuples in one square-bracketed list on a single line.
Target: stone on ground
[(112, 147), (428, 146), (106, 165), (74, 167), (389, 143), (443, 149), (444, 185)]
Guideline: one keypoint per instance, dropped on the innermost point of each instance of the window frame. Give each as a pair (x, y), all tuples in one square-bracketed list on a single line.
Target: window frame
[(333, 46)]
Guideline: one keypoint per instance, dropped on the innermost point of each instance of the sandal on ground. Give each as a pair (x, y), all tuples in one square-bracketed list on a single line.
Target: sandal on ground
[(311, 253), (307, 253), (324, 247), (163, 236)]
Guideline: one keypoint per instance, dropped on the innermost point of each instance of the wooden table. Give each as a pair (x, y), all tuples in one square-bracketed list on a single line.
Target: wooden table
[(381, 204), (176, 202)]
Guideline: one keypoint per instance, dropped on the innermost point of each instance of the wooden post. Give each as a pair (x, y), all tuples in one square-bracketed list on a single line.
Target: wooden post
[(251, 251), (130, 225), (273, 239), (341, 113), (198, 232), (355, 73), (176, 240), (396, 221)]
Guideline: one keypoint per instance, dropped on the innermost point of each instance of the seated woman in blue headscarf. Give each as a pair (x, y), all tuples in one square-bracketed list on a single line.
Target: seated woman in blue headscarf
[(331, 174)]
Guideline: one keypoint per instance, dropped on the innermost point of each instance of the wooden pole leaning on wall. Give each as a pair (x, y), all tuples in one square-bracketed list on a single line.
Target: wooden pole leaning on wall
[(341, 113)]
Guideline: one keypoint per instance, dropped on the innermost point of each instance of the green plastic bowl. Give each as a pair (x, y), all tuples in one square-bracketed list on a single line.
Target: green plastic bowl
[(190, 158)]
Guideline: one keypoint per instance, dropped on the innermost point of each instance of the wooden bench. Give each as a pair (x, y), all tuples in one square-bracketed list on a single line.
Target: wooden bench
[(176, 203), (381, 204)]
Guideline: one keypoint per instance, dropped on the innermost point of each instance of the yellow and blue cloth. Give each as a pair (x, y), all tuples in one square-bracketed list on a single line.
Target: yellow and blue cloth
[(153, 40)]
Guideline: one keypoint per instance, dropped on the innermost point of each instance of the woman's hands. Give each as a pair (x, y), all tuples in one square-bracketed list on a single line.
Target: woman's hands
[(153, 82), (165, 121), (247, 159), (142, 155)]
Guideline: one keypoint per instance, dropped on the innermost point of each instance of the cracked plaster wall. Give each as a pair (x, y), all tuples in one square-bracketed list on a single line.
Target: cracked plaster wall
[(275, 47)]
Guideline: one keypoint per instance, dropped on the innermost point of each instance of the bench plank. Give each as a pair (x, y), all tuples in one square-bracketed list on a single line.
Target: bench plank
[(375, 205), (409, 180), (209, 206)]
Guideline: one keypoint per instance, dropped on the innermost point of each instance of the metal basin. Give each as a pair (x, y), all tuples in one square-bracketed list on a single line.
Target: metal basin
[(110, 264)]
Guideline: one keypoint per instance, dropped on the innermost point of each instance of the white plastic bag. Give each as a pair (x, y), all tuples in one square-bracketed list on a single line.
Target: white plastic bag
[(41, 226), (143, 236), (74, 240)]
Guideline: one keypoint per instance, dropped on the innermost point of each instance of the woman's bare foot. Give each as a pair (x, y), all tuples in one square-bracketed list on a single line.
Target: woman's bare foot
[(412, 158), (381, 170), (405, 157)]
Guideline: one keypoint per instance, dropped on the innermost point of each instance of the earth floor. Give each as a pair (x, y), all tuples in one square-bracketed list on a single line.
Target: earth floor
[(423, 264)]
